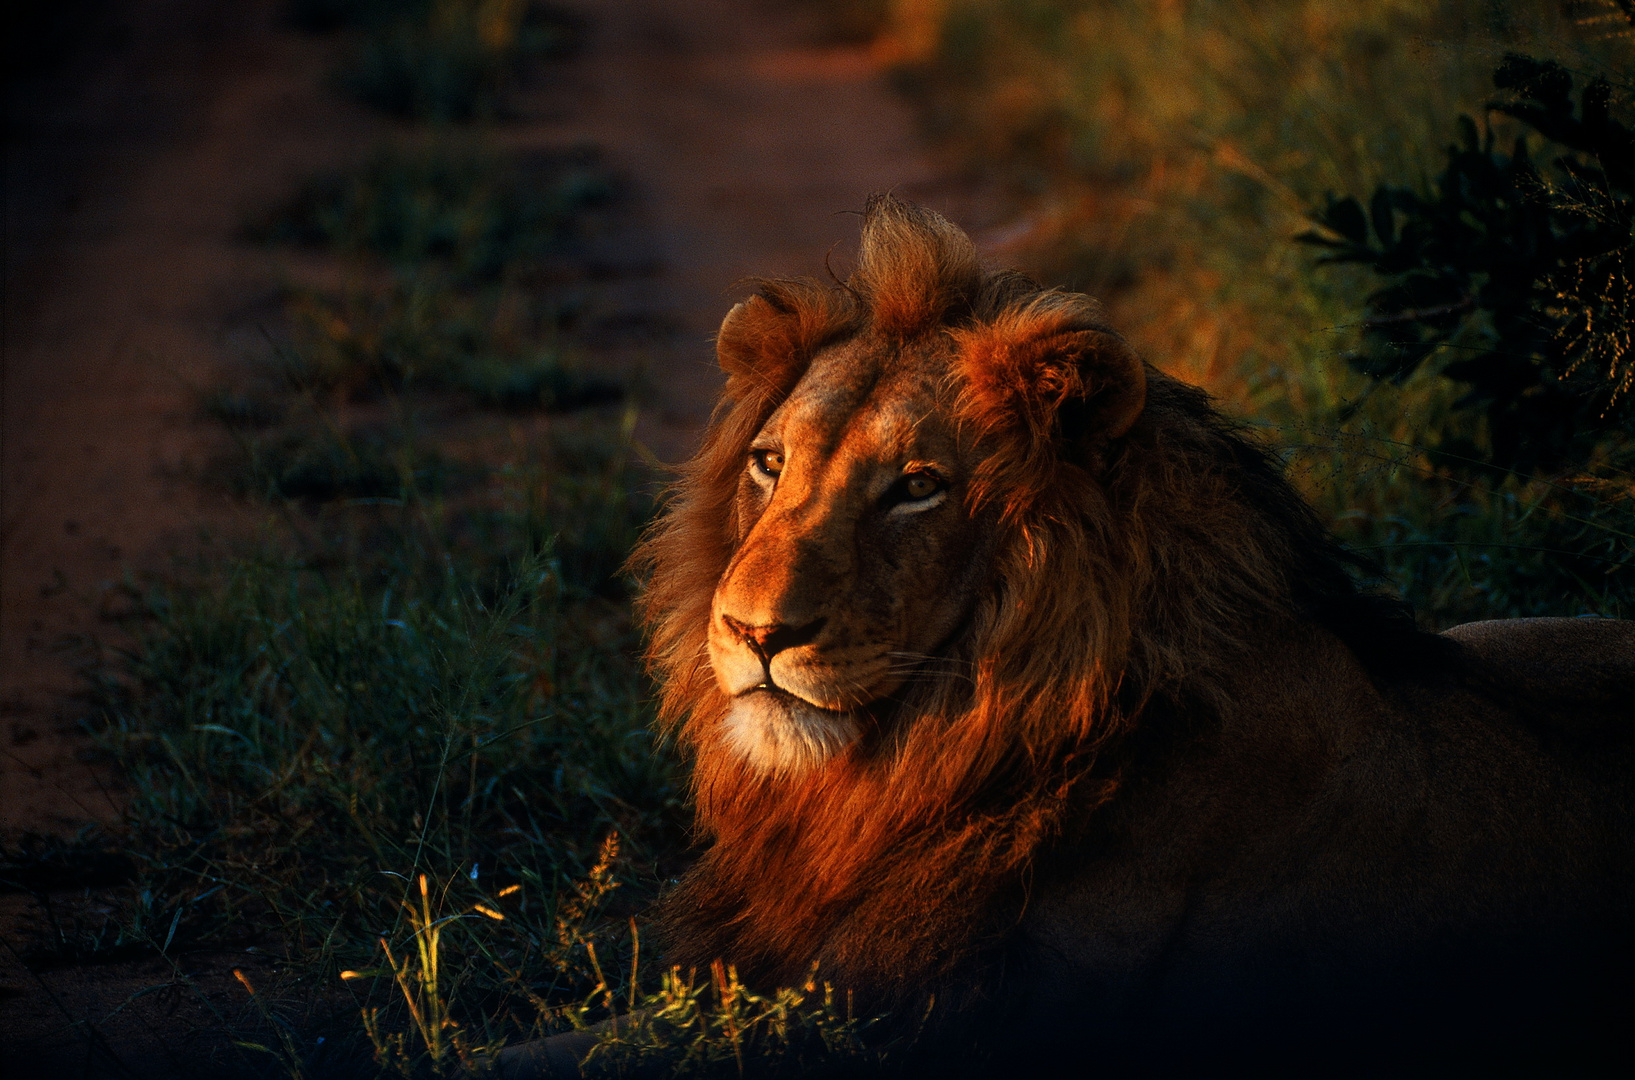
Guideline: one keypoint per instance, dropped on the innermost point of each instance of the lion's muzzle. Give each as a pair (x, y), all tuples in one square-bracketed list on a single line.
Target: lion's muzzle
[(793, 701), (768, 640)]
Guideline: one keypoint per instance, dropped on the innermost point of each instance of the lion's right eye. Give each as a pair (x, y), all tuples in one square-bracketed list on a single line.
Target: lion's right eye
[(768, 462), (920, 486)]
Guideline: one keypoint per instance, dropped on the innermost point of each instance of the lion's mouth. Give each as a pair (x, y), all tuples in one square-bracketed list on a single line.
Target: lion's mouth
[(790, 697), (779, 731)]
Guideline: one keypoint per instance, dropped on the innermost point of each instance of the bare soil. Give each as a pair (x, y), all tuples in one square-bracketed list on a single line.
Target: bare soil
[(133, 162)]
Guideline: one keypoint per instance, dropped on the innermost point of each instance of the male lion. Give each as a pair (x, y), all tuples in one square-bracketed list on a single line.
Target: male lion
[(1016, 677)]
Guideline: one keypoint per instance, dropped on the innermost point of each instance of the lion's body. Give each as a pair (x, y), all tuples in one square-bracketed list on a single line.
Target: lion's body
[(1015, 676), (1406, 862)]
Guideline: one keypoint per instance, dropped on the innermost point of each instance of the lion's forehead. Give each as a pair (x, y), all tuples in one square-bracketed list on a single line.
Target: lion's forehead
[(865, 409)]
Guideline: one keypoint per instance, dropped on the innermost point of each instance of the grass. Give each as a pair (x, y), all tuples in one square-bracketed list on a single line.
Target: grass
[(440, 60), (1165, 156), (416, 688), (500, 347), (716, 1026), (401, 733), (450, 204), (1465, 548)]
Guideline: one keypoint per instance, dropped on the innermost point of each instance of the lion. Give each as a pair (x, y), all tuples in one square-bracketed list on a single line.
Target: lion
[(1022, 690)]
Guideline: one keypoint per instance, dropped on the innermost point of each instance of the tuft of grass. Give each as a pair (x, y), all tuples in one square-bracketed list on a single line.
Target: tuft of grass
[(716, 1026), (450, 204), (320, 462), (446, 60), (499, 347)]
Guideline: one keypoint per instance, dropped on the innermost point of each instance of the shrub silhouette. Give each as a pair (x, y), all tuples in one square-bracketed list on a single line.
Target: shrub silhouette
[(1519, 270)]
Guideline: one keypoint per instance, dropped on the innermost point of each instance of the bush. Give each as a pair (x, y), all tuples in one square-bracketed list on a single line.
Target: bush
[(1514, 275)]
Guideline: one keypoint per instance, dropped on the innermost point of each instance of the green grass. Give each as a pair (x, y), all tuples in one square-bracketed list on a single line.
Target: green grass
[(500, 347), (1464, 547), (461, 319), (320, 462), (441, 60), (450, 204), (306, 729), (388, 692), (1164, 156)]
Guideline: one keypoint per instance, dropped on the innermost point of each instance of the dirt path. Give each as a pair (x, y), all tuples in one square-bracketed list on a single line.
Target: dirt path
[(131, 173), (128, 287)]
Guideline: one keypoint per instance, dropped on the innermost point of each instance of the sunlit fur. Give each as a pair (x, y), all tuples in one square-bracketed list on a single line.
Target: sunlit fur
[(1139, 535), (780, 735)]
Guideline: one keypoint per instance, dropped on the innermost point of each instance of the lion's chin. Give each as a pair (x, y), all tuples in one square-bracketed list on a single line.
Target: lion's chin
[(778, 732)]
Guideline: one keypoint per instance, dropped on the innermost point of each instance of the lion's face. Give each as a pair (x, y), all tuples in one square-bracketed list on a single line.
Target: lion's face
[(855, 557)]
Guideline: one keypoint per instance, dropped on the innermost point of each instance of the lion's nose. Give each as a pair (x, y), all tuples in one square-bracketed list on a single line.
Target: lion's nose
[(770, 639)]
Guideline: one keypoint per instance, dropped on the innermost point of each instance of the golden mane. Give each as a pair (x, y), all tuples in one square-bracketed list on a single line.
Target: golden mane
[(1129, 573)]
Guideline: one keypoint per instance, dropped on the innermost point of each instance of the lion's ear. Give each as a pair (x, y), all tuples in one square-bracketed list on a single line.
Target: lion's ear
[(770, 338), (1115, 390), (754, 339), (1030, 374)]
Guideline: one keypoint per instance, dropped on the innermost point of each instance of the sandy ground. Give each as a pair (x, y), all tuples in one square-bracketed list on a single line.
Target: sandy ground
[(130, 172)]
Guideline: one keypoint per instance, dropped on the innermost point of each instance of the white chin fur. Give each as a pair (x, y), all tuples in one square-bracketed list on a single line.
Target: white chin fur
[(776, 733)]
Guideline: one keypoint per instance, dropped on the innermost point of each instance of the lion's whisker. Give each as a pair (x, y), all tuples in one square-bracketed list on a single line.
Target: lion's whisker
[(930, 659)]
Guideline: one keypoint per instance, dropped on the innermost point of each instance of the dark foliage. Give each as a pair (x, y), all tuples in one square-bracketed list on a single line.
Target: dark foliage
[(322, 464), (1516, 269)]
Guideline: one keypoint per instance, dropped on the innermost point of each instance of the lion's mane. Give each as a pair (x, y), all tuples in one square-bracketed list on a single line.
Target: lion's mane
[(1126, 580)]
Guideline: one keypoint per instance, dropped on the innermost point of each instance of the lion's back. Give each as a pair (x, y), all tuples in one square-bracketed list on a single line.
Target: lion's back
[(1577, 672)]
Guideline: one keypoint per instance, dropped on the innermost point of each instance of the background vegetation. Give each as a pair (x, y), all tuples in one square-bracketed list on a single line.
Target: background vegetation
[(1168, 157)]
